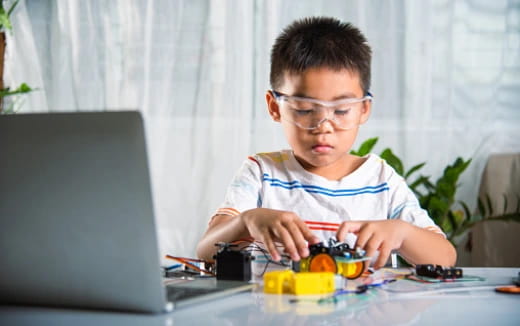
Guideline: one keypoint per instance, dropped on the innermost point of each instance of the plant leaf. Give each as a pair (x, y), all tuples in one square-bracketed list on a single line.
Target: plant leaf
[(393, 161), (452, 220), (413, 169), (490, 206), (447, 183), (505, 203), (23, 88), (508, 217), (466, 211), (460, 218), (4, 20), (365, 147), (421, 180), (481, 207), (437, 209), (10, 11)]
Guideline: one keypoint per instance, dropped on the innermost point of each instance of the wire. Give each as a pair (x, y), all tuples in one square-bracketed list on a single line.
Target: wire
[(187, 262), (255, 246), (169, 268)]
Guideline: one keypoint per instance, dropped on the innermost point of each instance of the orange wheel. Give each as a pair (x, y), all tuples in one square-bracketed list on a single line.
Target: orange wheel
[(323, 263), (354, 270)]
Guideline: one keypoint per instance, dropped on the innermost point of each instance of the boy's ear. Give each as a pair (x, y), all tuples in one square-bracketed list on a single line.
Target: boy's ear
[(365, 114), (272, 106)]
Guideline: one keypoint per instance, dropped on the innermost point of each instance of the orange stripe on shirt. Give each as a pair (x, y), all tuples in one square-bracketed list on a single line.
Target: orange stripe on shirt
[(321, 223), (224, 211), (254, 160), (322, 228)]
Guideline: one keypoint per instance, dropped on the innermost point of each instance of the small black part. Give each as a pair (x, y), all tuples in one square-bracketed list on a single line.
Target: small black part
[(296, 266), (334, 249), (437, 271), (317, 248), (233, 265), (361, 288)]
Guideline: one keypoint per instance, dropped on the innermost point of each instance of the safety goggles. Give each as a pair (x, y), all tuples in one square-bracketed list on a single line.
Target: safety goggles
[(309, 113)]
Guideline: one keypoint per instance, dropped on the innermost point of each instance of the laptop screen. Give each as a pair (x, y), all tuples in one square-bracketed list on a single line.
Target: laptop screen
[(76, 217)]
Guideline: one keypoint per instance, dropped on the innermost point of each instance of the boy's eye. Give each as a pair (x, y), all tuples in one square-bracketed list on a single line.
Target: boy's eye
[(302, 112), (341, 112)]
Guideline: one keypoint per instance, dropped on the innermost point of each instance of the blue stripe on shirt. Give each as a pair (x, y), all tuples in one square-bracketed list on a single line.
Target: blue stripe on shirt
[(400, 208), (273, 182)]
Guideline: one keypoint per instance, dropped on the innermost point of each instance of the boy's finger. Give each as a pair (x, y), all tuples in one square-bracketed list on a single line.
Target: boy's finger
[(288, 243), (363, 238), (307, 233), (348, 227), (384, 253), (342, 232), (353, 226), (371, 246), (269, 244), (298, 238)]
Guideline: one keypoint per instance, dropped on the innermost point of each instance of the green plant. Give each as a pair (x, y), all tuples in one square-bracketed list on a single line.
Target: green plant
[(486, 211), (438, 198), (5, 24), (394, 161)]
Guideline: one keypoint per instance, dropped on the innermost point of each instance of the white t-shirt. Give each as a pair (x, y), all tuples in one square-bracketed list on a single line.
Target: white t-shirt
[(277, 180)]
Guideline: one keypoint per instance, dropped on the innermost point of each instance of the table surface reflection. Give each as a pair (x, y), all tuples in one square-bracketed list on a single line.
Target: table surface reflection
[(400, 303)]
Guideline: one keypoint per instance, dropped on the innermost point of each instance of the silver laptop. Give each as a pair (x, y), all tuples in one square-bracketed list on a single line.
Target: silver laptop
[(76, 218)]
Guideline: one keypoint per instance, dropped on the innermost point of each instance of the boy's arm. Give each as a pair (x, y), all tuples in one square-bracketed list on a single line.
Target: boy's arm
[(222, 228), (424, 246), (407, 228), (415, 244), (265, 225)]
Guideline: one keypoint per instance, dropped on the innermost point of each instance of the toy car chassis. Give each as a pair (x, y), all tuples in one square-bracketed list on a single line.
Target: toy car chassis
[(337, 258)]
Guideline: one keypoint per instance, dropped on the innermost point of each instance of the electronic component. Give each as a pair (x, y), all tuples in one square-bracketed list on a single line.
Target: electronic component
[(191, 266), (289, 282), (437, 271), (234, 265), (337, 258)]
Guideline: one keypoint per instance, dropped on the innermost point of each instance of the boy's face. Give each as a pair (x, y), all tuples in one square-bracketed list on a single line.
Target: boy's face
[(326, 146)]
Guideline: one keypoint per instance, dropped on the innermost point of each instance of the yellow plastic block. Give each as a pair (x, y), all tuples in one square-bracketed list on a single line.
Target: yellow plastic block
[(278, 282), (289, 282), (351, 270), (313, 283)]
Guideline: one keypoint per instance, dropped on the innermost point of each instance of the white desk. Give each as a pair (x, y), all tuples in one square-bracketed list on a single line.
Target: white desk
[(474, 306)]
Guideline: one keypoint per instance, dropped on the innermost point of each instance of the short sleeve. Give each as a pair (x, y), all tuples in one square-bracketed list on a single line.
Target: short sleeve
[(405, 206), (244, 192)]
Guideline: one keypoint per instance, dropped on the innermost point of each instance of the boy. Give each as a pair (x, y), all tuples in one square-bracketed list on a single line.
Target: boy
[(320, 77)]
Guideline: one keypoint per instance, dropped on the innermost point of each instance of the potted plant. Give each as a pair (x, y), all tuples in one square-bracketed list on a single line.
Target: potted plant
[(5, 25)]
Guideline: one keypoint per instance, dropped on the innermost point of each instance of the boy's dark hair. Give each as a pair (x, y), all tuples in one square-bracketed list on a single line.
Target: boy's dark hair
[(320, 42)]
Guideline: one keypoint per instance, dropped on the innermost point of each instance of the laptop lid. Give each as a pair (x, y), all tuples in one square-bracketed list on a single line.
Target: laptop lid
[(76, 216)]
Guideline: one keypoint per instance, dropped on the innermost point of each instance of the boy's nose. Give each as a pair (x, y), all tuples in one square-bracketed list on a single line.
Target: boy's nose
[(325, 126)]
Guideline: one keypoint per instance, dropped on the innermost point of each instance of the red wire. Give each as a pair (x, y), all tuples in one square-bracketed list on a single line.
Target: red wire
[(185, 261)]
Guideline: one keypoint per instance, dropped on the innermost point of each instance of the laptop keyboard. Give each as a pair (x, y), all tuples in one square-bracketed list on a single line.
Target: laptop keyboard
[(175, 292)]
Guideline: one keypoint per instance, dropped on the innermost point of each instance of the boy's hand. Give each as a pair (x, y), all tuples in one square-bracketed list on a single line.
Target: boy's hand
[(269, 225), (384, 236)]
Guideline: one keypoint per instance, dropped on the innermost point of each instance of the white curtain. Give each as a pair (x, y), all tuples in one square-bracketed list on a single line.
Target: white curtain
[(445, 78)]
